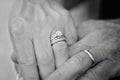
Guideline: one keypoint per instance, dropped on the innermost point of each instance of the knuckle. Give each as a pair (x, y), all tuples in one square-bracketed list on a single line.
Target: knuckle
[(39, 13), (17, 29), (27, 12), (56, 16), (16, 24)]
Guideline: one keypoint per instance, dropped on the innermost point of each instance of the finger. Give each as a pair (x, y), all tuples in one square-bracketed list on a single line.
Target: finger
[(103, 71), (24, 54), (105, 49), (66, 24), (72, 67), (60, 48), (61, 53), (88, 36), (89, 41), (44, 55), (71, 32)]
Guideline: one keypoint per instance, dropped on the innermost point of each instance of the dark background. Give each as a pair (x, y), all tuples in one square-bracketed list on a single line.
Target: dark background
[(109, 8)]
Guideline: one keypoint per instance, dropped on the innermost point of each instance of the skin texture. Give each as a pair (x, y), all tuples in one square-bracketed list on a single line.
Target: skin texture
[(102, 40), (30, 30), (104, 44), (104, 48)]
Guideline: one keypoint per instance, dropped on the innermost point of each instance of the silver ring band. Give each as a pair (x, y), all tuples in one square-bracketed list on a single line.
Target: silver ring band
[(90, 55), (57, 37)]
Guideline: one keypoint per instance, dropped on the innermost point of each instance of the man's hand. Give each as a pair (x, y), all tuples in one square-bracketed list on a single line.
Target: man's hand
[(102, 39), (30, 28)]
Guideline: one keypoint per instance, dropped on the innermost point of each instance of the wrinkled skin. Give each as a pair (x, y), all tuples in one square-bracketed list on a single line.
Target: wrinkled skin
[(30, 28), (102, 38)]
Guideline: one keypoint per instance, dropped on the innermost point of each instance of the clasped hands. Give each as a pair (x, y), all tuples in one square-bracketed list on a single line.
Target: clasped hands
[(36, 59)]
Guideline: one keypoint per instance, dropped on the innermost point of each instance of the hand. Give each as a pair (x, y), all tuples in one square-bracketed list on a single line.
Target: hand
[(105, 49), (30, 29), (102, 39)]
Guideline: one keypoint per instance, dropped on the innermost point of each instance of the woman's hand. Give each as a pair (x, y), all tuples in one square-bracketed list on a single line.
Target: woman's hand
[(30, 28)]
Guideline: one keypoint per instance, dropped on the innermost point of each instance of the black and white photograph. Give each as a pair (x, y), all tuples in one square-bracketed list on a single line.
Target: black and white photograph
[(59, 40)]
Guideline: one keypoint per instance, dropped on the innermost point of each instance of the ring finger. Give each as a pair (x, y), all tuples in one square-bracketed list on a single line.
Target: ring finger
[(60, 49)]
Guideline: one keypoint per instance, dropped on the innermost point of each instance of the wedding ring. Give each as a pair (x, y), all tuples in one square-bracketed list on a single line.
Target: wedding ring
[(90, 55), (57, 37)]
